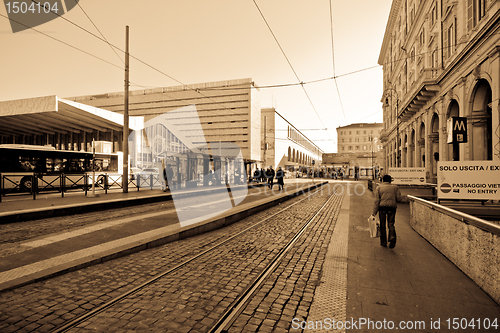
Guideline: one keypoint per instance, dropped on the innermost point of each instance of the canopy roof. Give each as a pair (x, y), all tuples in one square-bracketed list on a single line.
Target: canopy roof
[(51, 115)]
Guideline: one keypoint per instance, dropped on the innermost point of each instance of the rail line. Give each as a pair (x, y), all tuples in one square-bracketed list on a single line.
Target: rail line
[(236, 307)]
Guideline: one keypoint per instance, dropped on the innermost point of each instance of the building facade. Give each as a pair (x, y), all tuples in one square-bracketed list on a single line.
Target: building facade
[(359, 138), (285, 146), (441, 59), (183, 119), (358, 150)]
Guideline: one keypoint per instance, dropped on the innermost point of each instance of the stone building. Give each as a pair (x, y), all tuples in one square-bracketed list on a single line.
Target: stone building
[(441, 59), (284, 145), (359, 138)]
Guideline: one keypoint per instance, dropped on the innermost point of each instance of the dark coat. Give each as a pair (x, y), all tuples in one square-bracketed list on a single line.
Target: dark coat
[(280, 175)]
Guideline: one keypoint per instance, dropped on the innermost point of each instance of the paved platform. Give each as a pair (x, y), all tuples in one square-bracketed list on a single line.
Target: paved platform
[(58, 253), (412, 284), (25, 208)]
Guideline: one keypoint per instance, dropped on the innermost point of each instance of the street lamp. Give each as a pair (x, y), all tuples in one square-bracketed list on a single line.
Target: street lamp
[(397, 120), (370, 138)]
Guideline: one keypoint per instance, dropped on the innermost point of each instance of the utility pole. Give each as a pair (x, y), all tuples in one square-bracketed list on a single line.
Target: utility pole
[(125, 118)]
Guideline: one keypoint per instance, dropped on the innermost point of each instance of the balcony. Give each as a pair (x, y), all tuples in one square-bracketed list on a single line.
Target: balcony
[(421, 91)]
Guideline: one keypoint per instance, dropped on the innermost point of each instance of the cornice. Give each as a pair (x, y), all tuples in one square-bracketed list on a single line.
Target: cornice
[(391, 21)]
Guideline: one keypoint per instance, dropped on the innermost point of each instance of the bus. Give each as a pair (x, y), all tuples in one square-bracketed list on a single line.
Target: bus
[(20, 164)]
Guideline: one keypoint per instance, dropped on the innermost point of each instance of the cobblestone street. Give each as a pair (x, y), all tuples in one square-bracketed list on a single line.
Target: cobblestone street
[(192, 298)]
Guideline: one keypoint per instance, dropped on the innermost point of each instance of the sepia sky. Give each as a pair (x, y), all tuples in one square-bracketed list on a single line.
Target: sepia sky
[(196, 41)]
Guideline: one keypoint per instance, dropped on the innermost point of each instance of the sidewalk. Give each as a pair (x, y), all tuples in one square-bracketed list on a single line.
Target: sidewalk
[(413, 282)]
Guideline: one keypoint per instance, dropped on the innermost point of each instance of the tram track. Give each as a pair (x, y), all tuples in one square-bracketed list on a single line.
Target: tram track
[(235, 307)]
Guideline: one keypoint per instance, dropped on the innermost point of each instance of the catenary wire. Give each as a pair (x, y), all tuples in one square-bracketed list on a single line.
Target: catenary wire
[(333, 63), (301, 83), (293, 70), (133, 57)]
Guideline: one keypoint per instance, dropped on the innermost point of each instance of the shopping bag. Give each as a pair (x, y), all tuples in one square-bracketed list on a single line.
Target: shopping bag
[(372, 223)]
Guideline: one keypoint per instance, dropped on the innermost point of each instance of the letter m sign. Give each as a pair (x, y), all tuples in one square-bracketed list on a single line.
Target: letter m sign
[(459, 130)]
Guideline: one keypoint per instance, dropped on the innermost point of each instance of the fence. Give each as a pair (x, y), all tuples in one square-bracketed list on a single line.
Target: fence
[(34, 184)]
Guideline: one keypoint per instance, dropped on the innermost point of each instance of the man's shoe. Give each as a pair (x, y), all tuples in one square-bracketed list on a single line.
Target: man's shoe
[(384, 245), (392, 245)]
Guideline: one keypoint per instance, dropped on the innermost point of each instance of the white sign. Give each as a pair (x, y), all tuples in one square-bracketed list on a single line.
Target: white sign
[(408, 176), (473, 180)]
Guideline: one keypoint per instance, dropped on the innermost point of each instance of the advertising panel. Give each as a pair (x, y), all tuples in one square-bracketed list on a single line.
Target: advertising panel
[(472, 180), (407, 176)]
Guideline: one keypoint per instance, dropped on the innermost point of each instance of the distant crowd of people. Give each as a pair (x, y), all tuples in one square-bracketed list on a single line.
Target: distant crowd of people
[(270, 174)]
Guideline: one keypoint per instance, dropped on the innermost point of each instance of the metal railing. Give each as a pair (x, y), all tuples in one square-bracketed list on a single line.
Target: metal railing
[(34, 184), (465, 218)]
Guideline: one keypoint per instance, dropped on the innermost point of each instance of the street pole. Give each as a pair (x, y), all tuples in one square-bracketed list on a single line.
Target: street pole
[(373, 171), (397, 128), (125, 118)]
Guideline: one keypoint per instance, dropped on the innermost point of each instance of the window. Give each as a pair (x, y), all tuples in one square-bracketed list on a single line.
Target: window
[(357, 132), (433, 15), (421, 38), (449, 40), (434, 59), (350, 147), (476, 10), (357, 147), (364, 132)]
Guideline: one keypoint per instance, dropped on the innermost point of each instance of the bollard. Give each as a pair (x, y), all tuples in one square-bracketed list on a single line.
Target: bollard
[(86, 183), (105, 183), (138, 182), (33, 188), (151, 181), (62, 184)]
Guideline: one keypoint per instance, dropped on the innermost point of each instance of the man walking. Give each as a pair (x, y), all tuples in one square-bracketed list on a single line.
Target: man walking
[(386, 198)]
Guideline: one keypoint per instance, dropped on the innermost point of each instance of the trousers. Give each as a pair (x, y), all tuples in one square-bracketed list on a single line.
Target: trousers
[(387, 216)]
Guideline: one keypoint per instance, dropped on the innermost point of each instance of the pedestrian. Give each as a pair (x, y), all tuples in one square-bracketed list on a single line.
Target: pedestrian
[(270, 175), (263, 175), (386, 198), (280, 175), (168, 174)]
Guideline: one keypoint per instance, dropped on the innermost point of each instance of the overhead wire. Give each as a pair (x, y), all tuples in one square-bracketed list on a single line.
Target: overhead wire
[(289, 63), (131, 56), (301, 83), (333, 63), (95, 26)]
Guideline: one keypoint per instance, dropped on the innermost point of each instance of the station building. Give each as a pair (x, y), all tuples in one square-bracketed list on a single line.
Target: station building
[(441, 59), (197, 130), (214, 113), (283, 145)]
